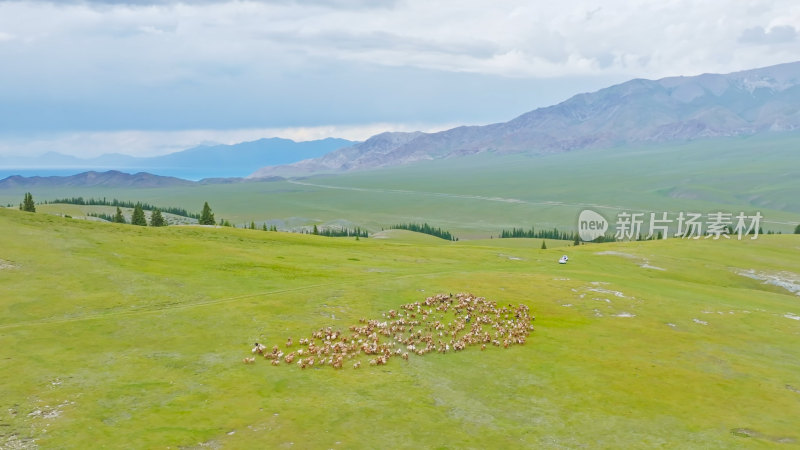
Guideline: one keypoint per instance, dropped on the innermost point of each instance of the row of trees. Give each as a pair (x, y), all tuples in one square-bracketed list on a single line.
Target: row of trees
[(124, 204), (339, 232), (206, 217), (555, 233), (137, 218), (425, 228)]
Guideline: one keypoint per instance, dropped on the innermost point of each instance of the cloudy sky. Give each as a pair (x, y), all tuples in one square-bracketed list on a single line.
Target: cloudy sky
[(148, 77)]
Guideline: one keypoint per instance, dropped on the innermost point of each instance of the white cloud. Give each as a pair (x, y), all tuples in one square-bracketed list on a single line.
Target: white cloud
[(512, 38), (307, 62), (775, 35)]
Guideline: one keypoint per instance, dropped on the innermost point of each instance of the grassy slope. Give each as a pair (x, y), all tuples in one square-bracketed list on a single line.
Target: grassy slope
[(136, 335), (464, 195)]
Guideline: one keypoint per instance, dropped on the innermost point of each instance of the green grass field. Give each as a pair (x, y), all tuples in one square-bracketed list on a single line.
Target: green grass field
[(478, 196), (125, 337)]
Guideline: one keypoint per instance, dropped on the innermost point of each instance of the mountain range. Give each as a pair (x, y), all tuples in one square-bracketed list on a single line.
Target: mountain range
[(111, 178), (635, 112), (198, 162), (639, 111)]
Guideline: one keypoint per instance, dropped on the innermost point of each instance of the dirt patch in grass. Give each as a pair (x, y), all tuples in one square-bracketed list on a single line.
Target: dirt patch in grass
[(750, 433), (13, 441), (786, 280), (6, 264), (644, 263)]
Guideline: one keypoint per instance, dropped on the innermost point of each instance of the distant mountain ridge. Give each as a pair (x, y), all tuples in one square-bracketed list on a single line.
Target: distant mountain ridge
[(111, 178), (637, 111), (236, 160)]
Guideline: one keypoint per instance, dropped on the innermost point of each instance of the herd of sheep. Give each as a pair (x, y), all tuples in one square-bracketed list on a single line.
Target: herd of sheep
[(441, 323)]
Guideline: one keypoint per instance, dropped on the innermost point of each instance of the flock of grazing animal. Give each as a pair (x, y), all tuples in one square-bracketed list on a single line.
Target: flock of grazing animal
[(416, 328)]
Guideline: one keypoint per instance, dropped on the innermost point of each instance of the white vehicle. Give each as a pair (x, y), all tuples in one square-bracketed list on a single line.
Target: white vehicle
[(563, 259)]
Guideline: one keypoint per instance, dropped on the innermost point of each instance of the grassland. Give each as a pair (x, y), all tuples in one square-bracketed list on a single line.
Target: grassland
[(478, 196), (125, 337)]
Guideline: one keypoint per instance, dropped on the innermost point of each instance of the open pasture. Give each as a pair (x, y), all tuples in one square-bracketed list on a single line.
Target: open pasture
[(132, 337), (480, 195)]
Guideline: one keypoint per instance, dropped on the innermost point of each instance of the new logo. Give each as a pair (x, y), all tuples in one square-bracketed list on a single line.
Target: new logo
[(591, 225)]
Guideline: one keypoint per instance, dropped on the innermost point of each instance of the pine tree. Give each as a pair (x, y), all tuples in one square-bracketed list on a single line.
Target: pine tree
[(157, 219), (252, 225), (544, 246), (118, 217), (264, 227), (316, 231), (207, 217), (797, 229), (27, 204), (137, 218)]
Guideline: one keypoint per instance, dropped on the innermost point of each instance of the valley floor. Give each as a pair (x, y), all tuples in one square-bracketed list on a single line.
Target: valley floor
[(120, 336)]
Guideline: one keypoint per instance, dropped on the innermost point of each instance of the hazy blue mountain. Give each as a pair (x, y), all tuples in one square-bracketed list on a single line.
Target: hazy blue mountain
[(638, 111), (111, 178), (249, 155), (198, 162)]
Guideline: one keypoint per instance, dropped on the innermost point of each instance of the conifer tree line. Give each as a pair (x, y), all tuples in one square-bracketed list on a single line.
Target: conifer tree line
[(339, 232), (124, 204), (137, 218), (540, 234), (555, 233), (424, 228)]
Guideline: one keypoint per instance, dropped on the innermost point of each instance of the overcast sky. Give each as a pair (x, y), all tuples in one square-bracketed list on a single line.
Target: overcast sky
[(148, 77)]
